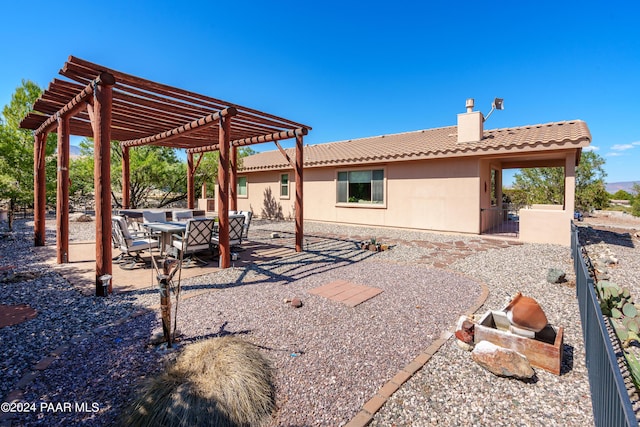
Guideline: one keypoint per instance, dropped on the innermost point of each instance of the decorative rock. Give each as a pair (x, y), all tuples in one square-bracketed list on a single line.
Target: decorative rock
[(464, 346), (464, 330), (296, 303), (556, 275), (526, 313), (502, 362), (80, 217)]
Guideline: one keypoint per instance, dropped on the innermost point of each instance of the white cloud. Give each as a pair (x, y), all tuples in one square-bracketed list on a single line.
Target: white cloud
[(591, 148), (621, 147), (635, 143), (613, 154)]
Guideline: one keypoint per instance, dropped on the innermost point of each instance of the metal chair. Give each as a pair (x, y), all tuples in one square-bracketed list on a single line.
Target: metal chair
[(247, 223), (151, 216), (181, 215), (130, 245), (236, 228), (197, 238)]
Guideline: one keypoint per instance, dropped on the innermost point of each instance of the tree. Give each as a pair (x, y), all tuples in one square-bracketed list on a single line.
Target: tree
[(157, 176), (541, 185), (622, 195), (635, 205), (591, 192), (546, 185), (16, 151)]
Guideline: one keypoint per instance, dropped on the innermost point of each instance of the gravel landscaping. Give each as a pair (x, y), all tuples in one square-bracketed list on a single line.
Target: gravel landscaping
[(330, 359)]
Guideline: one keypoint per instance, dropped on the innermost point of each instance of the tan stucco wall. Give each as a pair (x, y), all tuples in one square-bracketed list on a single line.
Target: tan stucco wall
[(258, 183), (432, 195), (546, 226)]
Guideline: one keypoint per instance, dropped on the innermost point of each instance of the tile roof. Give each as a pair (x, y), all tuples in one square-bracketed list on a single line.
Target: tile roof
[(429, 144)]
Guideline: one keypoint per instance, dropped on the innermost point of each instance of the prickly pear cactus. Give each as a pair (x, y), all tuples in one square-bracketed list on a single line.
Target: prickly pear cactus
[(616, 303)]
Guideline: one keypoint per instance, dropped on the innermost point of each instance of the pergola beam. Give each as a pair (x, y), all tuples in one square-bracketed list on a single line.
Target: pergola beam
[(76, 104), (182, 130), (286, 134)]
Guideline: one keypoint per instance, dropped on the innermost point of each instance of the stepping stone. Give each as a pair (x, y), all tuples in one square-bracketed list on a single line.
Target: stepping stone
[(345, 292), (15, 314)]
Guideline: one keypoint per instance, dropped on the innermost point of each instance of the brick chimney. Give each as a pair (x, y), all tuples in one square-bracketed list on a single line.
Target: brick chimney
[(470, 124)]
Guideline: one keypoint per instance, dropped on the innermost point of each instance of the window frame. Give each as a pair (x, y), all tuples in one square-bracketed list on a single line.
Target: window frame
[(288, 196), (370, 205), (246, 187)]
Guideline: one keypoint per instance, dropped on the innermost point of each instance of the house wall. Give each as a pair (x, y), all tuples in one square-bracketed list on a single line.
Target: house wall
[(263, 195), (545, 226), (438, 195), (552, 223)]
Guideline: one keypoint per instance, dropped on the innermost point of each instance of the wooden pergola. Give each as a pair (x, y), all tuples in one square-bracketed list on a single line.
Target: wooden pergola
[(95, 101)]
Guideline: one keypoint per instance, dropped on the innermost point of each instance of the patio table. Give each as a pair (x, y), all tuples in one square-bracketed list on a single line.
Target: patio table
[(166, 229)]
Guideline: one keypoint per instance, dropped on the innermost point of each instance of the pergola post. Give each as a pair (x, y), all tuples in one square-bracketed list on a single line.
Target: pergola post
[(190, 182), (233, 189), (39, 191), (62, 198), (126, 179), (299, 205), (223, 193), (102, 183)]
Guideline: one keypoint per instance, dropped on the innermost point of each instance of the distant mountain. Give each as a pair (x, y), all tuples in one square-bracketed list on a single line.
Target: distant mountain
[(627, 186), (74, 151)]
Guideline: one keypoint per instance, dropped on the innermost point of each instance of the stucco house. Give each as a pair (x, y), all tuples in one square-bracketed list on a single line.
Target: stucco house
[(444, 179)]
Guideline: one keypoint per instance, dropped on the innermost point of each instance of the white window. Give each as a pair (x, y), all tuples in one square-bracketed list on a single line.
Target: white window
[(241, 186), (361, 186), (284, 186)]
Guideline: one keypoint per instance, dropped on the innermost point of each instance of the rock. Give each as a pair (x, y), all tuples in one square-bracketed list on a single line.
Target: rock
[(287, 300), (296, 303), (502, 362), (82, 218), (275, 235), (464, 330), (556, 275), (464, 346), (526, 313)]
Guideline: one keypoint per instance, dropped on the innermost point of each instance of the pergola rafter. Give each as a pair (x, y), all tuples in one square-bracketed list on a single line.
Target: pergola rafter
[(109, 105)]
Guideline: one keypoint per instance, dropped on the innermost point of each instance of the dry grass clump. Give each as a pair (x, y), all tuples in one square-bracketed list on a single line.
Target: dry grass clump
[(216, 382)]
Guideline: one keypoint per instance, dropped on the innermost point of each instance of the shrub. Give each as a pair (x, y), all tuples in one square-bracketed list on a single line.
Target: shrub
[(216, 382)]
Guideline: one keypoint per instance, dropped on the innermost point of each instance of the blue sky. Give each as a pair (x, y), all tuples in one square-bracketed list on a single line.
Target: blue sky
[(351, 69)]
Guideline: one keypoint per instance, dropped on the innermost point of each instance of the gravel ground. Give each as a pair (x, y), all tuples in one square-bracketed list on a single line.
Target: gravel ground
[(329, 359)]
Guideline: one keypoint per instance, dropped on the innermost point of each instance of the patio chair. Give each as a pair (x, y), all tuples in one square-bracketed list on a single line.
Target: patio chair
[(181, 215), (130, 244), (150, 216), (197, 238), (236, 228), (247, 222)]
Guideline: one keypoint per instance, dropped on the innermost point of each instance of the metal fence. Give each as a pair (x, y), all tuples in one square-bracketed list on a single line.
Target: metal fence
[(610, 400), (500, 221)]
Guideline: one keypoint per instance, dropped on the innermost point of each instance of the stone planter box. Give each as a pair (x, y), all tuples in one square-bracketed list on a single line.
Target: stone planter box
[(543, 351)]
